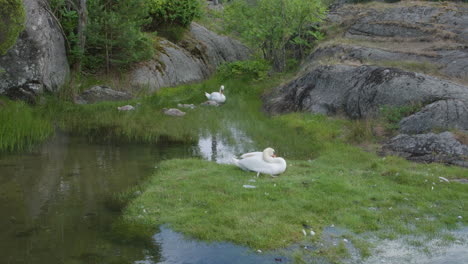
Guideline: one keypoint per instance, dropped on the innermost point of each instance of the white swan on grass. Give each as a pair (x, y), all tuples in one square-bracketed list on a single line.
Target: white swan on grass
[(218, 97), (264, 162)]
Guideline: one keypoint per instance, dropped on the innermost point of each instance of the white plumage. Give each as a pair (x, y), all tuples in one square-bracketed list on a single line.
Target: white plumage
[(262, 162), (218, 97)]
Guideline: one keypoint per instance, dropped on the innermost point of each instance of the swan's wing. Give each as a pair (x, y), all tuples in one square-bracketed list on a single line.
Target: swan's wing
[(251, 154)]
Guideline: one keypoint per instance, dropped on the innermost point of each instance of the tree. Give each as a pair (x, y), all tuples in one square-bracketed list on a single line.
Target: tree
[(270, 25), (114, 36)]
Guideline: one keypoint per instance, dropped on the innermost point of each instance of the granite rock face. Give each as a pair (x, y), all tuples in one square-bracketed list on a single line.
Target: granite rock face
[(195, 58), (443, 147), (361, 91), (38, 61)]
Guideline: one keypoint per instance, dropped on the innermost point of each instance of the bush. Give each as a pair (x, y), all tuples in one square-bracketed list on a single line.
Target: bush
[(255, 69), (393, 115), (12, 17), (180, 12)]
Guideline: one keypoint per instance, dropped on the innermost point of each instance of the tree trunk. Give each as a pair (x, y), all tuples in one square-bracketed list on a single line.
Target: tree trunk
[(82, 21)]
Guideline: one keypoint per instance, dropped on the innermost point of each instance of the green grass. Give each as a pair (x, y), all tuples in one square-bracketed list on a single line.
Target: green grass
[(344, 186), (21, 126)]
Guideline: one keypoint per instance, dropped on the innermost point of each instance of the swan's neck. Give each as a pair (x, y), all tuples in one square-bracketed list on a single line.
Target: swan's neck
[(268, 158)]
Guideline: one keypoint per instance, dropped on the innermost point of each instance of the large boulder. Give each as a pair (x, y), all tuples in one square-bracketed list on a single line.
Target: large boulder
[(195, 58), (443, 147), (361, 91), (38, 61)]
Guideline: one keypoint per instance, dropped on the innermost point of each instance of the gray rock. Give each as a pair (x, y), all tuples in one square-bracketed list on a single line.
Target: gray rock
[(189, 106), (173, 112), (418, 22), (37, 62), (193, 59), (101, 93), (126, 108), (443, 114), (453, 63), (360, 92), (429, 147)]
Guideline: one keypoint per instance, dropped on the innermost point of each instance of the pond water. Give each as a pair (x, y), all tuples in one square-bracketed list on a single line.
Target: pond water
[(53, 200), (53, 204)]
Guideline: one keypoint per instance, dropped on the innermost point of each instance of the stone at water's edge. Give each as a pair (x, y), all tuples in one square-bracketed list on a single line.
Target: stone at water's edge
[(195, 58), (429, 147), (101, 93), (360, 92), (37, 62)]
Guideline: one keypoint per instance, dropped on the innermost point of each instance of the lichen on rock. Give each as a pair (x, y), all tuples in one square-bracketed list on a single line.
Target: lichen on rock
[(12, 17)]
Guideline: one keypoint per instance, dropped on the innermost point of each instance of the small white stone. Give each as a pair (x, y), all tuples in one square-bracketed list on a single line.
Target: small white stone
[(345, 240), (312, 233), (304, 232), (460, 217), (259, 251)]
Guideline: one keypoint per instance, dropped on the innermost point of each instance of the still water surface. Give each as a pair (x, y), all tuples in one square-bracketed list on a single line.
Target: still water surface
[(53, 201)]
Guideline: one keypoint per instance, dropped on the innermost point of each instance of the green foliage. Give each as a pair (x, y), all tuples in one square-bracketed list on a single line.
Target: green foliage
[(272, 25), (21, 126), (12, 18), (180, 12), (253, 69), (114, 37), (393, 115), (68, 18)]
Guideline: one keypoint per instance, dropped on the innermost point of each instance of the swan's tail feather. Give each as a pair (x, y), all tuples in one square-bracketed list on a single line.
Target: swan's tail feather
[(208, 96), (235, 161)]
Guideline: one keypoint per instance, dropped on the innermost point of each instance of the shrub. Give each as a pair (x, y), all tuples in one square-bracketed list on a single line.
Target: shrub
[(180, 12), (255, 69), (12, 17)]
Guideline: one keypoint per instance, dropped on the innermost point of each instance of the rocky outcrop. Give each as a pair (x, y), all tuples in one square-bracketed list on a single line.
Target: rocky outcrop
[(101, 93), (452, 63), (193, 59), (406, 53), (443, 147), (360, 92), (37, 62)]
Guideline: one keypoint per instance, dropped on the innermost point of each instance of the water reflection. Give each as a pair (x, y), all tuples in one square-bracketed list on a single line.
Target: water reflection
[(53, 200), (222, 148), (175, 248)]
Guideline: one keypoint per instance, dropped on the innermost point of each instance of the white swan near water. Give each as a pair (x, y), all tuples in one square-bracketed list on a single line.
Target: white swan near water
[(218, 97), (264, 162)]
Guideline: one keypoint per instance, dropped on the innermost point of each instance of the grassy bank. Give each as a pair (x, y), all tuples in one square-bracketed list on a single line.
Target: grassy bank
[(344, 186), (21, 126)]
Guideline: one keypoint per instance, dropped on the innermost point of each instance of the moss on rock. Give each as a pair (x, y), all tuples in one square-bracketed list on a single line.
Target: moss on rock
[(12, 17)]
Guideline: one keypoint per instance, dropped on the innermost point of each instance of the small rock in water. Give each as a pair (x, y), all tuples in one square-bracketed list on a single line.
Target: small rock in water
[(190, 106), (126, 108), (211, 103), (173, 112), (249, 186), (259, 251), (345, 240)]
